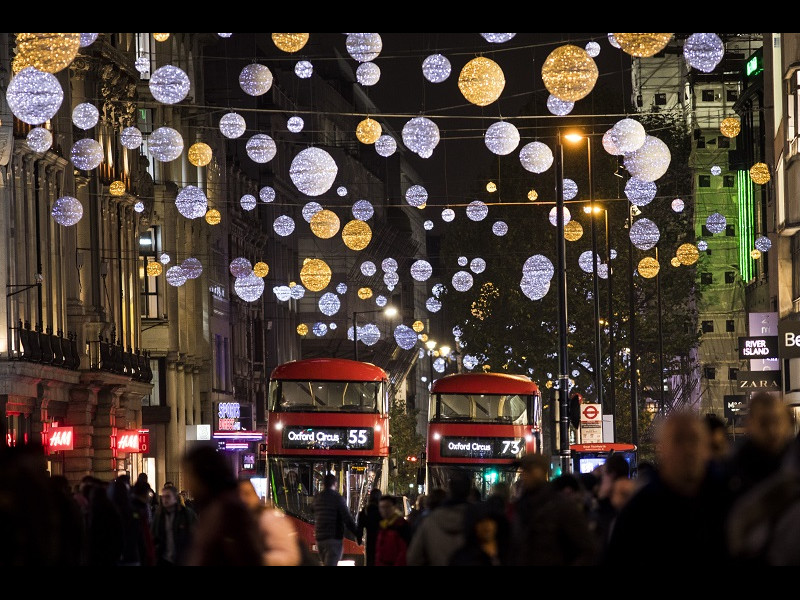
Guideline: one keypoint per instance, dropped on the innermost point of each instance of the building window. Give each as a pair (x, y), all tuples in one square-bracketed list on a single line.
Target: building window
[(701, 142), (149, 249), (661, 99), (704, 181), (730, 231), (706, 278), (730, 276), (732, 371), (708, 326), (730, 326), (723, 142), (707, 95), (731, 95), (709, 372), (728, 181)]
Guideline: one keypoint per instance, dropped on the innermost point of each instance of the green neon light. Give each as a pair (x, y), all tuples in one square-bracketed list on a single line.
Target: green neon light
[(745, 228)]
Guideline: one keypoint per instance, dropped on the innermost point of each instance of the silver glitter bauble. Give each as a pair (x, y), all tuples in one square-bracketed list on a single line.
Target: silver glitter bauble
[(164, 258), (644, 234), (763, 243), (240, 267), (702, 245), (283, 225), (267, 194), (477, 265), (716, 222), (716, 170), (165, 144), (703, 51), (592, 49), (559, 107), (436, 68), (499, 228), (248, 202), (570, 189), (39, 139), (261, 148), (341, 191), (232, 125), (310, 209), (131, 138), (313, 171), (175, 276), (33, 96), (477, 210), (438, 289), (364, 47), (417, 196), (427, 225), (169, 84), (421, 136), (85, 116), (282, 292), (255, 79), (385, 145), (368, 73), (677, 205), (389, 265), (249, 288), (67, 211), (501, 138), (640, 193), (448, 214), (586, 261), (295, 124), (462, 261), (87, 39), (363, 210), (497, 38), (303, 69), (297, 292), (650, 161), (368, 268), (192, 202), (192, 268), (628, 136), (433, 305), (138, 206), (405, 337), (319, 329), (553, 216), (421, 270), (462, 281), (536, 157), (86, 154), (538, 268)]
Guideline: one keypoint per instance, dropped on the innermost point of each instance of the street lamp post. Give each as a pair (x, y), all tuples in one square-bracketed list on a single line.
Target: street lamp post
[(564, 453), (389, 311)]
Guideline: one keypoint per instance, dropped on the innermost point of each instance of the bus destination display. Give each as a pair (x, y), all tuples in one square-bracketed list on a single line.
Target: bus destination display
[(328, 438), (460, 447)]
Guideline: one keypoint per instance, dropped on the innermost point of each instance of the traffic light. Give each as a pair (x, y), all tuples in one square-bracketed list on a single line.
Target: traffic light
[(491, 476)]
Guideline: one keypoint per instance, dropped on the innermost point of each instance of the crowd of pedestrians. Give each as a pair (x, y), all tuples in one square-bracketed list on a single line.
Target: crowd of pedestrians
[(702, 500)]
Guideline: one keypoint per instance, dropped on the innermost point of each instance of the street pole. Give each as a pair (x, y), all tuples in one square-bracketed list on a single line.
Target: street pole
[(632, 357), (661, 403), (355, 336), (561, 269), (598, 356), (612, 398)]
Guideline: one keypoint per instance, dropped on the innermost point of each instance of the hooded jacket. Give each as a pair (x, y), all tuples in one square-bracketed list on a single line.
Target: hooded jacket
[(438, 536)]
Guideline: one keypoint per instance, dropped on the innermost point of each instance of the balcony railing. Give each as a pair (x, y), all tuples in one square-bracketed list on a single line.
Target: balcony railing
[(42, 347), (110, 357)]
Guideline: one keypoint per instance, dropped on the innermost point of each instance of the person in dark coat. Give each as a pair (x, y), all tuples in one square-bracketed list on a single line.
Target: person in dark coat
[(369, 523), (393, 536), (331, 519), (172, 529), (547, 529), (227, 533), (487, 537)]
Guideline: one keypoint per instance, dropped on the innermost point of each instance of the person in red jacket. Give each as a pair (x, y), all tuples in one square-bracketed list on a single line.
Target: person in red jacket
[(393, 535)]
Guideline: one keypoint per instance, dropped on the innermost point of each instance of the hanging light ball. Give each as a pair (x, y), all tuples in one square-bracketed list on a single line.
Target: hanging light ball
[(261, 269), (87, 39), (533, 195), (240, 267), (534, 290), (249, 287), (356, 235), (161, 37), (730, 127), (703, 51), (261, 148), (644, 234), (310, 209), (687, 254), (85, 116), (341, 288), (329, 304), (232, 125), (417, 196), (363, 210), (536, 157), (33, 96), (389, 265), (290, 42), (224, 35), (613, 40), (627, 136), (282, 292), (192, 202), (675, 262), (117, 188), (39, 139), (427, 225), (592, 49), (438, 289), (481, 81), (538, 267), (138, 206), (501, 138), (48, 52), (677, 205), (325, 224), (573, 231), (499, 228), (763, 243), (368, 268), (405, 337), (436, 68), (648, 267), (192, 268), (248, 202), (255, 79), (462, 261), (642, 45), (315, 274), (303, 69), (313, 171), (283, 225), (640, 193), (570, 189), (477, 265), (497, 38), (586, 261), (295, 124), (759, 173), (213, 217), (448, 214), (418, 327), (169, 84), (569, 73), (199, 154), (608, 144), (142, 64), (553, 216), (67, 211), (391, 279), (175, 276), (462, 281), (702, 245), (164, 258), (421, 270), (341, 191), (421, 136), (385, 145), (716, 222), (365, 293), (297, 291), (559, 107), (491, 187), (368, 74), (165, 144), (755, 254), (364, 47), (154, 268), (86, 154), (267, 194), (650, 161), (477, 210), (131, 138), (368, 131)]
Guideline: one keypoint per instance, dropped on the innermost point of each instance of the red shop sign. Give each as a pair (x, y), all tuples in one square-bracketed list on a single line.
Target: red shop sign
[(59, 438), (133, 441)]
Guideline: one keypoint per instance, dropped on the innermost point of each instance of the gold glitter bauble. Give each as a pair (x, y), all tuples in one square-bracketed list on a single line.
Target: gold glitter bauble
[(481, 81), (302, 329), (642, 44), (117, 188), (154, 268), (573, 231), (648, 267), (368, 131), (755, 254), (200, 154), (290, 42), (569, 73), (213, 217), (260, 269), (315, 274), (687, 254), (533, 195), (365, 293), (730, 127), (675, 262), (491, 187), (759, 173), (161, 37), (48, 52), (356, 235), (423, 338), (325, 224), (418, 326)]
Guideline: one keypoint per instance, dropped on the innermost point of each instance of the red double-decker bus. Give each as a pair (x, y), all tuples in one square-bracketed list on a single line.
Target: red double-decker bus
[(482, 423), (326, 415)]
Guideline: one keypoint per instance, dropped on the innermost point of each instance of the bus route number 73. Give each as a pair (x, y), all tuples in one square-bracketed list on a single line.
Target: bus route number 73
[(510, 447)]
